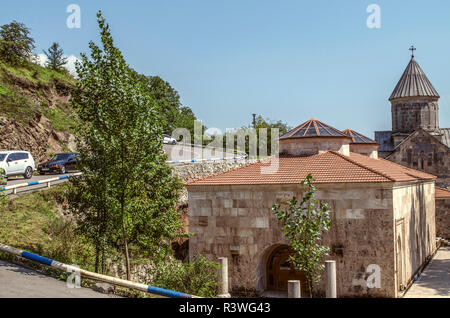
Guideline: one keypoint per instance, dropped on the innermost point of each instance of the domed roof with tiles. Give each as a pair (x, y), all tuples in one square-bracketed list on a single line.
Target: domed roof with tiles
[(313, 128)]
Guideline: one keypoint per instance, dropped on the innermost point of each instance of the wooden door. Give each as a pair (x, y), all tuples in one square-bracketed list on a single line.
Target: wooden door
[(280, 270)]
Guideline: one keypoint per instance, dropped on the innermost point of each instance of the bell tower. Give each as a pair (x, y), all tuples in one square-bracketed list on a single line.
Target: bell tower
[(414, 102)]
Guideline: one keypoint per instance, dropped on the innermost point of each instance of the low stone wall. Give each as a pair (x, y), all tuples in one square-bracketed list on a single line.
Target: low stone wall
[(443, 218), (192, 171)]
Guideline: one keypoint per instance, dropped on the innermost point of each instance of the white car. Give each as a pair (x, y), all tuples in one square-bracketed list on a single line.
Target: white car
[(17, 163), (169, 140)]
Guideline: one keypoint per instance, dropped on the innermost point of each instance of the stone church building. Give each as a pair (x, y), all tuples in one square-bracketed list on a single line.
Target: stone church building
[(416, 140), (383, 214)]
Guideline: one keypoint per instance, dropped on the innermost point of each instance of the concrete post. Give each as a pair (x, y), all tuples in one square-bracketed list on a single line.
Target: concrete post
[(224, 278), (48, 184), (294, 289), (331, 279), (15, 191)]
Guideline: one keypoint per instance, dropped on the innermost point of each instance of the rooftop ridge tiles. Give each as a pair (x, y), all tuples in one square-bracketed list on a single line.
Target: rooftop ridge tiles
[(362, 166)]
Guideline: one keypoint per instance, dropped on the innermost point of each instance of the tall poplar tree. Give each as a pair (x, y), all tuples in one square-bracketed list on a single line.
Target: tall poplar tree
[(126, 196)]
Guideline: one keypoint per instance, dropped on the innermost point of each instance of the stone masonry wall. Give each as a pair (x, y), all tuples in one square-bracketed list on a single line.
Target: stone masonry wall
[(312, 146), (443, 218), (415, 228), (410, 114), (424, 152), (240, 218)]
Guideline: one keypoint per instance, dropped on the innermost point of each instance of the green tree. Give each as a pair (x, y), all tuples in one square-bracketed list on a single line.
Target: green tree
[(127, 193), (55, 55), (173, 113), (263, 141), (303, 224), (16, 44)]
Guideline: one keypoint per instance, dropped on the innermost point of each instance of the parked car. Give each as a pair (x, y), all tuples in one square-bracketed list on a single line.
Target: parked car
[(60, 163), (16, 163), (169, 140)]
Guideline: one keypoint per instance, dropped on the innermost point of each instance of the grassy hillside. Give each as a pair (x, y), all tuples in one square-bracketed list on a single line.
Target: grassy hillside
[(35, 222), (35, 110), (29, 91)]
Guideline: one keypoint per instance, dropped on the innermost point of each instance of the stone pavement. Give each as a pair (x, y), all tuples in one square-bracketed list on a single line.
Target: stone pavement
[(435, 279)]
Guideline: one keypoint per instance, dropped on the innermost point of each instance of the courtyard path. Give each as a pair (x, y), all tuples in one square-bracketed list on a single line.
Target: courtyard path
[(435, 279)]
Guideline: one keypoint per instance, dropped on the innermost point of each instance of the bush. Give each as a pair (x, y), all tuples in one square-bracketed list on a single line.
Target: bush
[(199, 277)]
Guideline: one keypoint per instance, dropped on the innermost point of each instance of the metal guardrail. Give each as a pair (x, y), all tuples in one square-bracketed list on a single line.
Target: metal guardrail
[(207, 159), (107, 279), (28, 184)]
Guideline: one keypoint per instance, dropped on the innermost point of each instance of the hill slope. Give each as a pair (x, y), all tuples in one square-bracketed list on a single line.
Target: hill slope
[(35, 113)]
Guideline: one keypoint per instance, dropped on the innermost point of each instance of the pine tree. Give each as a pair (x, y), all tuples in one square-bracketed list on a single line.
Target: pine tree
[(55, 55)]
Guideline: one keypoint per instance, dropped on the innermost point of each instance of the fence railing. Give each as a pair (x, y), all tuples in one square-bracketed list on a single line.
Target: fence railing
[(94, 276), (14, 187), (208, 159)]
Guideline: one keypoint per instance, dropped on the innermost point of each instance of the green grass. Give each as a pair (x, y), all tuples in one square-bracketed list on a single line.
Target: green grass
[(61, 120), (32, 222), (25, 90)]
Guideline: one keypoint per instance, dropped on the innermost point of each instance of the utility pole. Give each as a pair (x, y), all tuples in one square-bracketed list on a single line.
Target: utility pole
[(254, 120)]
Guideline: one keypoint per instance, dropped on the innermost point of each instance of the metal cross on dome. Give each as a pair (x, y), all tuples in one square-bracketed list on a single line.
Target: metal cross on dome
[(412, 49)]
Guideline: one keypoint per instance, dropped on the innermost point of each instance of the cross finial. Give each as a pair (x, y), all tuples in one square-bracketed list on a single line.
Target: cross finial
[(412, 49)]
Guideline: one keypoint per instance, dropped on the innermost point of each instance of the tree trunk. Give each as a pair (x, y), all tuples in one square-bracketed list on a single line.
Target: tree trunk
[(97, 252), (125, 243)]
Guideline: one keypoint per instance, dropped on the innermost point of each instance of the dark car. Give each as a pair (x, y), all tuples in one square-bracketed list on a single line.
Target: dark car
[(60, 163)]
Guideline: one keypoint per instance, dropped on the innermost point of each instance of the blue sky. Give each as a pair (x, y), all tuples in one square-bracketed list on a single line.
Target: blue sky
[(287, 60)]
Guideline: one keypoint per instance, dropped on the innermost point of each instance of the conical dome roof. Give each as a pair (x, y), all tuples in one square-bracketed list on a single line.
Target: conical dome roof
[(414, 83)]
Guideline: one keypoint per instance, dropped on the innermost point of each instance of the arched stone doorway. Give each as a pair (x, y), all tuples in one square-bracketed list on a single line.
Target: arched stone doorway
[(279, 270)]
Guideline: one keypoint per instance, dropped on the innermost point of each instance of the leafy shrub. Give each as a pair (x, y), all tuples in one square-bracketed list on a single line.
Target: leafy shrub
[(199, 277)]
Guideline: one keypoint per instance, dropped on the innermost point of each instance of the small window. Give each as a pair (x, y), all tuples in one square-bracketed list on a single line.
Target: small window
[(12, 157)]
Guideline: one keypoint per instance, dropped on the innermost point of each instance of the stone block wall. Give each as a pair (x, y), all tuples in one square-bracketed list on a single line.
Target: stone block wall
[(415, 228), (239, 218), (411, 114), (443, 218), (312, 146), (426, 153)]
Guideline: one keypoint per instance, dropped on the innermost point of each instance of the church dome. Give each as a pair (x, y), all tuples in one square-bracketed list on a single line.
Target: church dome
[(413, 83), (314, 137)]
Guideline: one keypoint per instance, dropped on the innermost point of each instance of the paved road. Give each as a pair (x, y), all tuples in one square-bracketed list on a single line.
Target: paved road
[(174, 152), (435, 279), (19, 282), (187, 152)]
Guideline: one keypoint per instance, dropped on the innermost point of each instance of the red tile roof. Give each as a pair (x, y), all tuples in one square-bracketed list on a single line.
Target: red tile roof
[(328, 167), (441, 193)]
